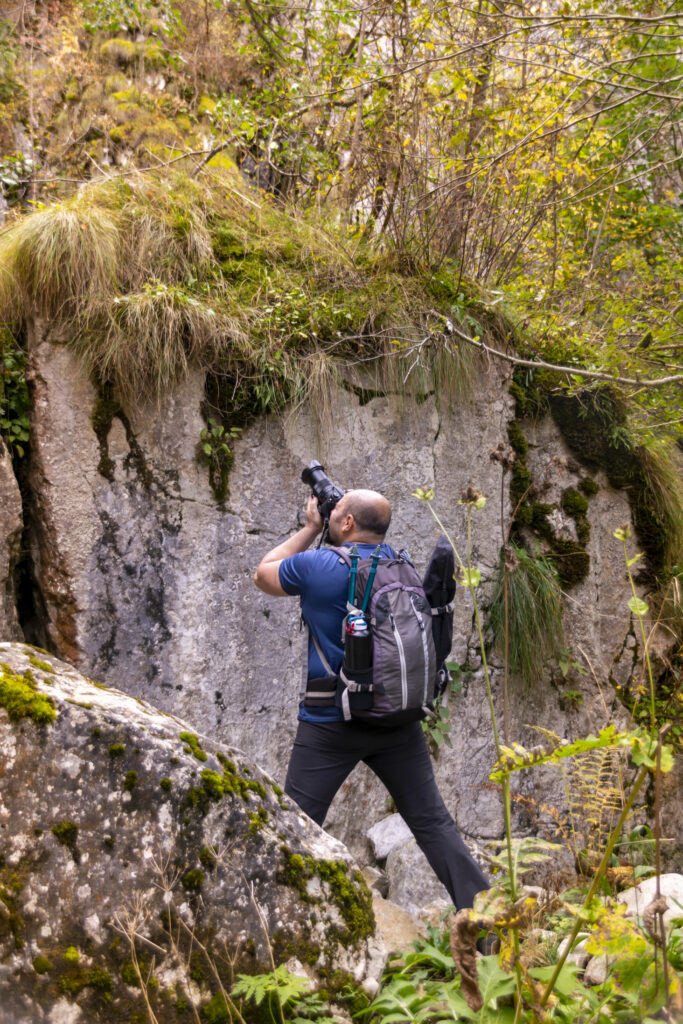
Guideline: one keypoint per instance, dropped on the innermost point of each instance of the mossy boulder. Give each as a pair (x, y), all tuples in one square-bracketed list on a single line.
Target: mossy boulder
[(97, 846), (118, 51)]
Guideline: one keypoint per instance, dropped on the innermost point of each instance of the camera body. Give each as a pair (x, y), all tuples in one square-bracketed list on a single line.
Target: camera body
[(327, 492)]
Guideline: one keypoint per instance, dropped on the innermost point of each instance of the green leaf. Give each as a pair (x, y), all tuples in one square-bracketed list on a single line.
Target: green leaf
[(493, 981), (284, 986), (471, 578), (638, 607), (456, 1002), (566, 983), (517, 757)]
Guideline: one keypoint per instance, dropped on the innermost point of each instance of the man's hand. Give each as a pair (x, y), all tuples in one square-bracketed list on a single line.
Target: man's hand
[(267, 576), (313, 517)]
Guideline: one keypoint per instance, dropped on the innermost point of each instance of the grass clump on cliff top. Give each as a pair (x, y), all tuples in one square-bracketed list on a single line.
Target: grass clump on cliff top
[(146, 276), (21, 699)]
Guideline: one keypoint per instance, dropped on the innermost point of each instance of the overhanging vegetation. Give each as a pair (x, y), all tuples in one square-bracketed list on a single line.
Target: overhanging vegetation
[(147, 275)]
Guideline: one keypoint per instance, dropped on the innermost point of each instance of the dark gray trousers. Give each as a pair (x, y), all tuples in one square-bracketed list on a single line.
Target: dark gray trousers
[(324, 754)]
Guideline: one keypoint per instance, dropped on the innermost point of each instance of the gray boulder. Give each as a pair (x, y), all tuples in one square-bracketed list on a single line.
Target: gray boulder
[(127, 839), (412, 883)]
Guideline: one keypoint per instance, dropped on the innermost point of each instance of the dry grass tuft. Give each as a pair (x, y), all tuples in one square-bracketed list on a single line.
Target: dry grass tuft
[(62, 262), (149, 275)]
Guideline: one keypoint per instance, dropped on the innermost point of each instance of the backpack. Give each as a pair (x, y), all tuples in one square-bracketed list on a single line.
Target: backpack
[(400, 683), (422, 613)]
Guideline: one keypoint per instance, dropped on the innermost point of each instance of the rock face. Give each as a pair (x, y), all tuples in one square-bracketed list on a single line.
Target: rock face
[(146, 579), (126, 838), (11, 525)]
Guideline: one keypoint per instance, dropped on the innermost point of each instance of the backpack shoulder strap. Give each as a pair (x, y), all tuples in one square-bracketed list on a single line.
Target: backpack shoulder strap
[(343, 554)]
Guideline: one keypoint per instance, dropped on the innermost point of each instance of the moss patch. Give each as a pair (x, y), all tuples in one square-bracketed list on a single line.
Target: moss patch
[(42, 665), (575, 505), (216, 1010), (66, 833), (207, 857), (350, 893), (193, 747), (193, 880), (41, 964), (215, 785), (257, 820), (21, 699), (129, 975), (569, 557), (75, 979), (118, 51), (588, 486), (594, 425)]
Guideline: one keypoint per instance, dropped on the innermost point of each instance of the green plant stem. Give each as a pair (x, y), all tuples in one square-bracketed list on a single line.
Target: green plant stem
[(505, 786), (602, 867), (446, 535), (658, 860), (506, 713)]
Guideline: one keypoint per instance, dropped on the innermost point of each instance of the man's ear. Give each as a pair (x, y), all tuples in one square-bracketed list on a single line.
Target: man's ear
[(348, 523)]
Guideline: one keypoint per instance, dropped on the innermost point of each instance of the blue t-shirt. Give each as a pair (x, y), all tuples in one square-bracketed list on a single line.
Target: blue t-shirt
[(321, 579)]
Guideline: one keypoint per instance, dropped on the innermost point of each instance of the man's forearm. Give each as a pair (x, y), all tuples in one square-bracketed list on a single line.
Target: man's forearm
[(267, 576), (299, 541)]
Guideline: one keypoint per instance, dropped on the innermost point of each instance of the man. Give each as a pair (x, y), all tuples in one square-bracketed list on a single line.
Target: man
[(326, 748)]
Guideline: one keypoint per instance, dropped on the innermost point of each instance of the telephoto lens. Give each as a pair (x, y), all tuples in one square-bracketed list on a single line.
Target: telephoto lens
[(327, 493)]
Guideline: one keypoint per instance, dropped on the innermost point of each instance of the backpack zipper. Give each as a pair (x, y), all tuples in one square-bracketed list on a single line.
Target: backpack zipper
[(402, 659), (425, 650)]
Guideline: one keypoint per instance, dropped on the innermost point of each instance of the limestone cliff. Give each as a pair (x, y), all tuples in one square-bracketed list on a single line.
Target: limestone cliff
[(146, 577)]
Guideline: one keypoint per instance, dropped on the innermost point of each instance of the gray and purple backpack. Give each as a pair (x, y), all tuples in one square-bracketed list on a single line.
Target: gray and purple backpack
[(399, 684), (406, 633)]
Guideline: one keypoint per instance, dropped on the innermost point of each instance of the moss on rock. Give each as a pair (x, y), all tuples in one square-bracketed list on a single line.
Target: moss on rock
[(41, 964), (349, 891), (193, 880), (66, 833), (118, 51), (193, 746), (19, 696)]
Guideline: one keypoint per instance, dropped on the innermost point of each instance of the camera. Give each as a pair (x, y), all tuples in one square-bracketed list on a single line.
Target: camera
[(327, 493)]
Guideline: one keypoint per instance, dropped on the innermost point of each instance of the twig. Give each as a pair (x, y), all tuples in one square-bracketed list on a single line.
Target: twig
[(575, 371)]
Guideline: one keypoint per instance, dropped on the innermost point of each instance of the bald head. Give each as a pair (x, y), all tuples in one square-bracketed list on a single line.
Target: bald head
[(371, 514)]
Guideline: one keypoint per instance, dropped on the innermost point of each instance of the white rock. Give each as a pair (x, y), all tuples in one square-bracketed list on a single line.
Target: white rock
[(578, 954), (637, 899), (387, 834), (65, 1012)]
